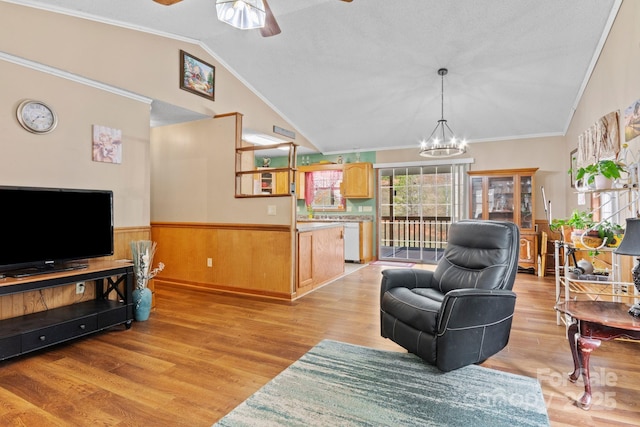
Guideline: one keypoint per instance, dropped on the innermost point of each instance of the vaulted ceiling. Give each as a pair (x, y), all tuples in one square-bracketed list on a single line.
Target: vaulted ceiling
[(363, 75)]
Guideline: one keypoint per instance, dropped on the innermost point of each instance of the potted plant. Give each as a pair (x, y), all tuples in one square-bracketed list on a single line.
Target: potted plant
[(611, 231), (575, 226), (601, 173), (579, 220)]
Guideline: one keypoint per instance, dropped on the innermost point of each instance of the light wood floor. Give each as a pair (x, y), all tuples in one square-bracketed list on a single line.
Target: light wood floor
[(202, 353)]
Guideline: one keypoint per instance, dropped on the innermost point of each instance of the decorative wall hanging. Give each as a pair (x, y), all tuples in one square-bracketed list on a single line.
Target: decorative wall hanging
[(600, 141), (632, 121), (196, 76), (107, 144)]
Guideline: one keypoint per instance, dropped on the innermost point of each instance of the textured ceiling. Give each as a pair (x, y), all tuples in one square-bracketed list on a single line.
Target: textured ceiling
[(363, 75)]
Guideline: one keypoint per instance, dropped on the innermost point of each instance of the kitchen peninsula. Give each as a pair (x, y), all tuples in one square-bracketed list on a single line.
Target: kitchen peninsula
[(358, 237), (320, 254)]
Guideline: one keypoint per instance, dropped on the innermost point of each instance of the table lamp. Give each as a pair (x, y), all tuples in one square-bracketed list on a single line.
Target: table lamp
[(631, 246)]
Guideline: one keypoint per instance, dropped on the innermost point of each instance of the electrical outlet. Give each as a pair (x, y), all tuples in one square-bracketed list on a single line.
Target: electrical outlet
[(209, 262), (79, 288), (271, 210)]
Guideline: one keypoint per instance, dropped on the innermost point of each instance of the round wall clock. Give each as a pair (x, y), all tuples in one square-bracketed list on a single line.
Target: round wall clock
[(36, 117)]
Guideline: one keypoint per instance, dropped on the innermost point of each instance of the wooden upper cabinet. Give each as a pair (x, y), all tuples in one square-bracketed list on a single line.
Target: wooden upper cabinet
[(282, 183), (358, 181), (300, 185)]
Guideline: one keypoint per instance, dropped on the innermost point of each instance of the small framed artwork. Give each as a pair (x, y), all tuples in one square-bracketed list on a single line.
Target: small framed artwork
[(196, 76), (573, 167), (632, 121), (107, 144)]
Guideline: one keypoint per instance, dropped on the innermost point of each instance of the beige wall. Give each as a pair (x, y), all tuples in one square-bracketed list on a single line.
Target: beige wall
[(123, 59), (614, 84), (193, 177), (142, 63), (63, 158), (148, 65)]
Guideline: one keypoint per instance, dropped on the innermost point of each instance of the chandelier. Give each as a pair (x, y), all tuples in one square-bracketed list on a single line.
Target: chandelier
[(438, 144)]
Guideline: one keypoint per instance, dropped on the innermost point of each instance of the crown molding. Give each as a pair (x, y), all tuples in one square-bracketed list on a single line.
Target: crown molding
[(7, 57), (139, 28)]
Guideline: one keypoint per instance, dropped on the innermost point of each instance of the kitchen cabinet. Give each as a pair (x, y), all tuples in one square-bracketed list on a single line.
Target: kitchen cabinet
[(320, 254), (272, 183), (355, 180), (300, 185), (305, 258), (508, 195), (358, 181)]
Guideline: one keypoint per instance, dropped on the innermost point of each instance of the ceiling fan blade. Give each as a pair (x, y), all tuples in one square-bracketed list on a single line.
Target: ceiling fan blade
[(271, 27), (167, 2), (348, 1)]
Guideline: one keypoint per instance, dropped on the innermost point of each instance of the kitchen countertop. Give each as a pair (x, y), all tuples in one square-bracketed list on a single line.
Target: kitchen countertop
[(335, 219)]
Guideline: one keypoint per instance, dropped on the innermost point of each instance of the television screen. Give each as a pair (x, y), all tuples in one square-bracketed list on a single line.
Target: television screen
[(44, 228)]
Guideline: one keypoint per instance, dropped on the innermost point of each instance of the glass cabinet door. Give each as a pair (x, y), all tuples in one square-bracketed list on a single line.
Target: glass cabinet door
[(500, 198), (477, 199), (526, 199)]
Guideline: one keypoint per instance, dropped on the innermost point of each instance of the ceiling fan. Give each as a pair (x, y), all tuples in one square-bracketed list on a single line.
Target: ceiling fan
[(270, 27)]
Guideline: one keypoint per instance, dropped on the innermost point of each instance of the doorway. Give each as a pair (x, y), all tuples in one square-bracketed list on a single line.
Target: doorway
[(417, 204)]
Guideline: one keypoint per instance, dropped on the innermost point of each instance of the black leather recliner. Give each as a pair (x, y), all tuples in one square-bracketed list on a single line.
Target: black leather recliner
[(460, 313)]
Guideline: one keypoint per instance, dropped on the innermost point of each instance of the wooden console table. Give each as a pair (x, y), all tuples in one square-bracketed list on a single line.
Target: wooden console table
[(593, 322), (30, 332)]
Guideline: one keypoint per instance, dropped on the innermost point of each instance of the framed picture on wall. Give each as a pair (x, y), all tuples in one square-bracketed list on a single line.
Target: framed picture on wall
[(107, 144), (197, 76), (573, 167)]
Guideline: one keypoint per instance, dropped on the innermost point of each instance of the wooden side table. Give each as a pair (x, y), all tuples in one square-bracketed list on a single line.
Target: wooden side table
[(593, 322)]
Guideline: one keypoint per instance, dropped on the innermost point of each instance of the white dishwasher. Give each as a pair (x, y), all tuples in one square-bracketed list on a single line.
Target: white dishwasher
[(352, 241)]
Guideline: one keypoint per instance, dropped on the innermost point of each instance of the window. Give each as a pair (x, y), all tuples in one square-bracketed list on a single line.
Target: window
[(323, 190)]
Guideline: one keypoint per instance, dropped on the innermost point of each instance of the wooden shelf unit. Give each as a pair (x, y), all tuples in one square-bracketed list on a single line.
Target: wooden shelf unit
[(264, 181)]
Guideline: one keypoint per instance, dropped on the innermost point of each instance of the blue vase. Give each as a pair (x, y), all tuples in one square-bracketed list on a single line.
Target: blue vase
[(141, 304)]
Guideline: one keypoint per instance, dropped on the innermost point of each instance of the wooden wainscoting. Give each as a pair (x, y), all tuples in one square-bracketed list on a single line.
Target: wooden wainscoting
[(245, 258), (122, 237), (35, 301)]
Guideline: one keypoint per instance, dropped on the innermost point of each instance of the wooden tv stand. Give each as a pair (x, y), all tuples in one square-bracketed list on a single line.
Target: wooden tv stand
[(30, 332)]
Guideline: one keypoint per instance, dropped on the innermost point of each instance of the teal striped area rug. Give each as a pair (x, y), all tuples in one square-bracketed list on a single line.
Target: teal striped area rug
[(338, 384)]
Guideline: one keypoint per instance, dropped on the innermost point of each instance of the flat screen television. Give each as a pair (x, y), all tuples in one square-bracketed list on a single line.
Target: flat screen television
[(49, 229)]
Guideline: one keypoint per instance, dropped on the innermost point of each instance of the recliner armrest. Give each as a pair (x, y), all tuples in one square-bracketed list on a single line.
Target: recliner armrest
[(468, 308), (405, 278)]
